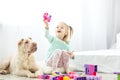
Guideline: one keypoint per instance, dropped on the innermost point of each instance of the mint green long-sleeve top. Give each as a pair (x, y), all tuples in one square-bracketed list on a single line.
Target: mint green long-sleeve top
[(55, 43)]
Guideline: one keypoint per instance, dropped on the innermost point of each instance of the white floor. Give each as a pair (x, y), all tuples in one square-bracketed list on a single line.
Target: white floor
[(13, 77)]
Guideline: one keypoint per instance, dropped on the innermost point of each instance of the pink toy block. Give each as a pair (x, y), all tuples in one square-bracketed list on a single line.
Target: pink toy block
[(47, 17), (43, 76), (90, 69)]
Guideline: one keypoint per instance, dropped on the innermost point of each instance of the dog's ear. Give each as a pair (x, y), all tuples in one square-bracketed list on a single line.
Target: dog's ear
[(20, 42)]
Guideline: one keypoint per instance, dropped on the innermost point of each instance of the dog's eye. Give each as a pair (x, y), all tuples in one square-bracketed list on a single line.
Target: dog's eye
[(30, 38), (26, 42)]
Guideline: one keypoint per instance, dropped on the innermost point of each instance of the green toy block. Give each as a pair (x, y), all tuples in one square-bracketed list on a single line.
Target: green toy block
[(118, 77)]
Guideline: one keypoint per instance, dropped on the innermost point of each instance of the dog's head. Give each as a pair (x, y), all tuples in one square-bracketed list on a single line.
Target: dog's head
[(27, 46)]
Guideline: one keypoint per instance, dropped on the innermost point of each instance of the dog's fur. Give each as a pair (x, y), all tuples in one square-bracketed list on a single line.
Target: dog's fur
[(23, 63)]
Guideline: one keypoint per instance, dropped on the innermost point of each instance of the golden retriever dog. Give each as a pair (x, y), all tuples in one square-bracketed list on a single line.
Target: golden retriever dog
[(23, 63)]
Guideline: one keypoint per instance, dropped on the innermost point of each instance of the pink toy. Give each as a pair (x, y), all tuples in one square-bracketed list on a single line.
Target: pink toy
[(47, 17), (90, 69), (43, 76), (72, 75)]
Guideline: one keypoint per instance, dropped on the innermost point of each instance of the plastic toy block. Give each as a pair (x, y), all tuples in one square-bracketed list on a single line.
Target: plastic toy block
[(66, 78), (86, 69), (90, 69), (60, 78), (95, 68), (72, 75), (94, 73), (47, 17), (94, 78), (116, 73), (53, 78), (118, 77), (44, 76), (56, 73), (80, 78)]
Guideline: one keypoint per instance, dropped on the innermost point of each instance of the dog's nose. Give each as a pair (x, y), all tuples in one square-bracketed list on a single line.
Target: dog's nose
[(35, 46)]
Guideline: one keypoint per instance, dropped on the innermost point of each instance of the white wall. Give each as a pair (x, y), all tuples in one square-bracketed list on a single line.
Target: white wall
[(91, 20), (94, 24), (100, 23), (23, 18), (114, 26)]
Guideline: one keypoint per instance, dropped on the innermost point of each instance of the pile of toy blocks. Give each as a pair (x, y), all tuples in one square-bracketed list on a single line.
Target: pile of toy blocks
[(90, 74)]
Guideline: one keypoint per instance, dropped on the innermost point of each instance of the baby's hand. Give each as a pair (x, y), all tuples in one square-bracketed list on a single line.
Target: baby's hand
[(70, 53), (46, 24)]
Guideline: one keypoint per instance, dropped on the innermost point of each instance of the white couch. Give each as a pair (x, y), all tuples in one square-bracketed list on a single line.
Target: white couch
[(107, 60)]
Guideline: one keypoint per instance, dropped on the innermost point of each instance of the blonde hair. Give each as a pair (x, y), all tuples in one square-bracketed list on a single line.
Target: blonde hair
[(69, 34)]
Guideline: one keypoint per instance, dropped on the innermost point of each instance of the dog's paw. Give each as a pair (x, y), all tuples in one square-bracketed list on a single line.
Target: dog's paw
[(3, 72), (39, 72), (31, 75)]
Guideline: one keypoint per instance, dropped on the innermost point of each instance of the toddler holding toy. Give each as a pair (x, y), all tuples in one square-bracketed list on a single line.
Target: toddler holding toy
[(59, 51)]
